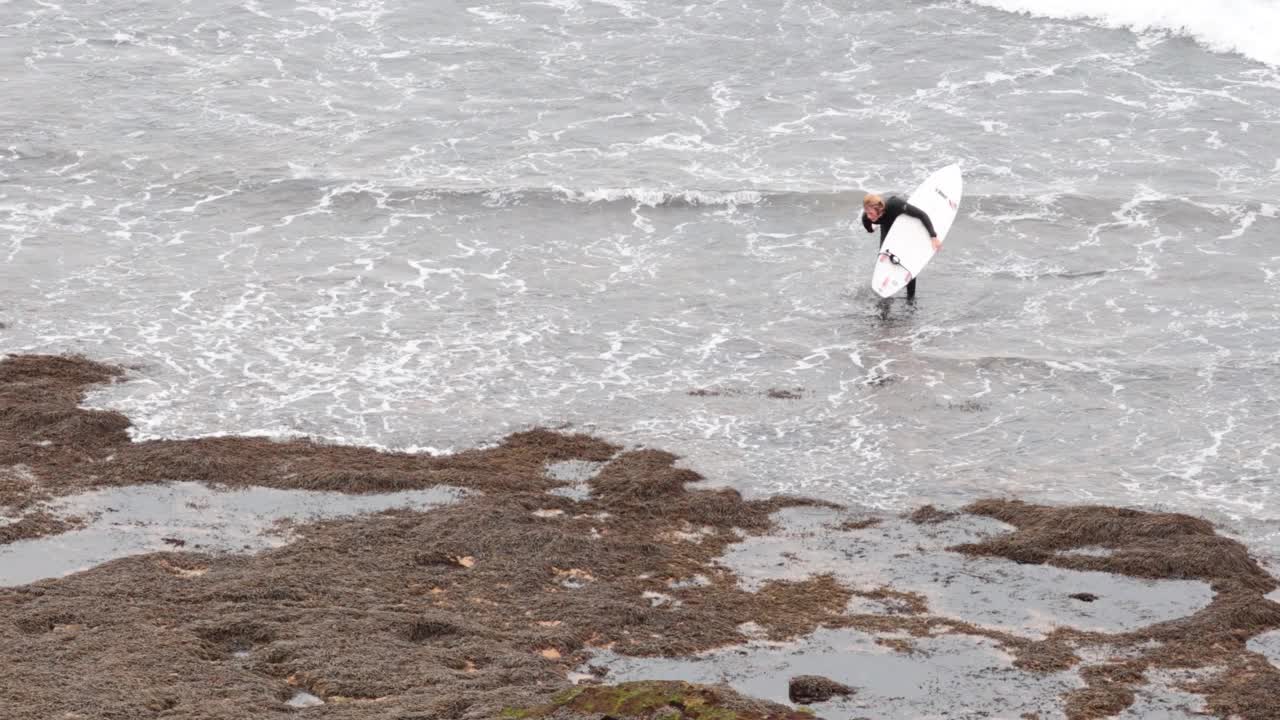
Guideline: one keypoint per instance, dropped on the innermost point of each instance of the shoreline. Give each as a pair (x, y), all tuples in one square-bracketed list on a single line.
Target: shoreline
[(497, 600)]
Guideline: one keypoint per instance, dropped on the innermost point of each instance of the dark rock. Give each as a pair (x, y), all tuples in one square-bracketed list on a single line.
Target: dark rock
[(809, 689)]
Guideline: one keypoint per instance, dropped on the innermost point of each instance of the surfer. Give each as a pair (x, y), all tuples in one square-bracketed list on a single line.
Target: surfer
[(878, 211)]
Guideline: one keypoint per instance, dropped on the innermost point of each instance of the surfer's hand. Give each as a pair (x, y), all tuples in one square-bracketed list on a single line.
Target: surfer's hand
[(937, 244)]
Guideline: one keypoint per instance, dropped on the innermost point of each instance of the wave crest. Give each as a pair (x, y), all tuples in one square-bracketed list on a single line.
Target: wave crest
[(1247, 27)]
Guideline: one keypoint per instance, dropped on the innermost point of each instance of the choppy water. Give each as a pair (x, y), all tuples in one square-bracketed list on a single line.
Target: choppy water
[(423, 225)]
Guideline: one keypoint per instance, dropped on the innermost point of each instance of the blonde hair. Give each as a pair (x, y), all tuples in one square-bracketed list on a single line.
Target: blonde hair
[(873, 201)]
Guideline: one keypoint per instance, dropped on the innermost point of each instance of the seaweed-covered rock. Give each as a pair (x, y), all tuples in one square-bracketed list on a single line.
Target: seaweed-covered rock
[(809, 689)]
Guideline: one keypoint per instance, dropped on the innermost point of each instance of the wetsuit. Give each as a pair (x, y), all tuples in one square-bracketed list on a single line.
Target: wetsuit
[(893, 207)]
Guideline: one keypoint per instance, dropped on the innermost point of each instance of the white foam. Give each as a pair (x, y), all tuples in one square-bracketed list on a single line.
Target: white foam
[(492, 16), (656, 196), (1243, 26)]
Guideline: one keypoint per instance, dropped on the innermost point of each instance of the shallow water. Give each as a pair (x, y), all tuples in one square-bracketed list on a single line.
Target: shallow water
[(941, 675), (425, 225), (1026, 600), (187, 516), (1267, 644), (946, 677)]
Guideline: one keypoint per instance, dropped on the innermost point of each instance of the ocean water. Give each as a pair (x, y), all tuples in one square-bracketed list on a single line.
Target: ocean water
[(423, 225)]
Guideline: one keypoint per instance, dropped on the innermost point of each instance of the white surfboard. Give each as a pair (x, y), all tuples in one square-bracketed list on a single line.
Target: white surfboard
[(907, 248)]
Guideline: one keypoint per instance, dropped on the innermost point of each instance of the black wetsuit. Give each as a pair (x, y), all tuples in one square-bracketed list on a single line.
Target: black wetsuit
[(893, 207)]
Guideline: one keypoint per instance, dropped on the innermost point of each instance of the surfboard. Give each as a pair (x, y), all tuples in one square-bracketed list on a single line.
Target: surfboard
[(907, 249)]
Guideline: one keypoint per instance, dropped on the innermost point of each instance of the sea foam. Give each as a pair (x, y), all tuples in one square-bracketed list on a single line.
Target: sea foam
[(1247, 27)]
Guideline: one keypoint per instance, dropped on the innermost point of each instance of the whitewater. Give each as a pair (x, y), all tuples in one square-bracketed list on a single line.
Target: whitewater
[(1233, 26)]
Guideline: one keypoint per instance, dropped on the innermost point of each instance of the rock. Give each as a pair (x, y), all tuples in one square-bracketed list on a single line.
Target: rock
[(809, 689)]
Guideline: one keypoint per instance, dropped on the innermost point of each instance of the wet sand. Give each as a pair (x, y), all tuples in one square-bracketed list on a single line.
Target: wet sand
[(243, 577)]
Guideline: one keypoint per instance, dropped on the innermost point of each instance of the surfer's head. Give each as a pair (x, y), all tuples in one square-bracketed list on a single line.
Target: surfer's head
[(873, 206)]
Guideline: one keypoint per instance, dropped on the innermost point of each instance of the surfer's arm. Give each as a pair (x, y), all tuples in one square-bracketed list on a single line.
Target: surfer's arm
[(922, 216), (866, 223)]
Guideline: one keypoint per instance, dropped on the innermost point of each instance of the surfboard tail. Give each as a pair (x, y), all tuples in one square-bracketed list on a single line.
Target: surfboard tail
[(890, 276)]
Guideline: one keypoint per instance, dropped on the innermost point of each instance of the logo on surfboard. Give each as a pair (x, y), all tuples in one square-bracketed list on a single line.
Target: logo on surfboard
[(950, 202)]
